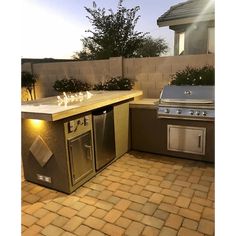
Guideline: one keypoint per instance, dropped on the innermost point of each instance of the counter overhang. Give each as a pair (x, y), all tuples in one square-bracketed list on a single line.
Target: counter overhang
[(48, 108)]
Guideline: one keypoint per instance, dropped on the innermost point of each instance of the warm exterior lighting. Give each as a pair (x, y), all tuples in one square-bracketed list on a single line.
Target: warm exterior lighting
[(36, 123)]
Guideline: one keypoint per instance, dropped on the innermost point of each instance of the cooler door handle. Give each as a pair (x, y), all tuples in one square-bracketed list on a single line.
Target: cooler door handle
[(72, 169), (89, 148)]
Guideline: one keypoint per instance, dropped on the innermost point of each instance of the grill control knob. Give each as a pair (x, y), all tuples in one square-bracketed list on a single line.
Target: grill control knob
[(204, 113), (178, 111), (191, 112), (166, 110), (197, 113)]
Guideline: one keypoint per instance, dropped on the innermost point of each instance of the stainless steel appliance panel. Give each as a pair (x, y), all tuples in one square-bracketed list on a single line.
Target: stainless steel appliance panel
[(104, 136), (186, 139), (188, 94), (185, 113), (81, 157), (187, 102)]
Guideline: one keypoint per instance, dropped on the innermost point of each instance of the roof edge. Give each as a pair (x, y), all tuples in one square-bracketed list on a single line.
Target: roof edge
[(186, 20)]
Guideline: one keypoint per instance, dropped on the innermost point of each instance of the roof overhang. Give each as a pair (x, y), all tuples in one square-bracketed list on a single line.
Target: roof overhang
[(186, 20)]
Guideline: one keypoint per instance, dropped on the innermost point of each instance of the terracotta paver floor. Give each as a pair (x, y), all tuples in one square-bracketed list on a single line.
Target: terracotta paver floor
[(139, 194)]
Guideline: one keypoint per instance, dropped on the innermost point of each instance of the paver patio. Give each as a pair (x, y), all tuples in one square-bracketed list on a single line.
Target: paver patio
[(139, 194)]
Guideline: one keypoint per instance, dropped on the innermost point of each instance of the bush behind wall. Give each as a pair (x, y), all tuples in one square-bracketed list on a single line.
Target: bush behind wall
[(115, 83), (194, 76), (74, 85), (71, 85)]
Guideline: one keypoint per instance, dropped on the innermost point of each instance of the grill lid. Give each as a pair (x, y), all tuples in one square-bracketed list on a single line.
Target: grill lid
[(188, 94), (187, 102)]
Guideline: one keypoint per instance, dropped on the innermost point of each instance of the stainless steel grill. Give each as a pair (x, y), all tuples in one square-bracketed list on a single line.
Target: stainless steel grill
[(187, 102)]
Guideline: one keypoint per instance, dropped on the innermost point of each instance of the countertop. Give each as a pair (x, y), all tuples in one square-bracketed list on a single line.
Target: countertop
[(56, 108), (147, 103)]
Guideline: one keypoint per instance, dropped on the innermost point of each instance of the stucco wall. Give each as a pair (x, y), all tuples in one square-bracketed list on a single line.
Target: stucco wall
[(151, 74), (196, 37)]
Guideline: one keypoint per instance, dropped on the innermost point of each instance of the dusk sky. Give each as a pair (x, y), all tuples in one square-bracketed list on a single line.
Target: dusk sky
[(53, 29)]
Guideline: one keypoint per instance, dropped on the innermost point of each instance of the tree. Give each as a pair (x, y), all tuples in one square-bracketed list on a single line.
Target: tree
[(28, 81), (152, 47), (113, 34)]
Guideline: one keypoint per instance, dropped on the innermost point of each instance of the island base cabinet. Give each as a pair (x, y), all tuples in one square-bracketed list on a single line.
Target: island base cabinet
[(122, 128), (191, 139), (145, 135), (58, 154)]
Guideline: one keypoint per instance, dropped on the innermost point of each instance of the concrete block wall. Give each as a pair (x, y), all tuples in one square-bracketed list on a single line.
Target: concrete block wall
[(150, 74), (87, 71)]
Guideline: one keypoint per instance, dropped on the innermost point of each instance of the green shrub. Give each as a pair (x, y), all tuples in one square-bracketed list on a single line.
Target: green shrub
[(71, 85), (194, 76), (115, 83), (28, 81), (99, 86)]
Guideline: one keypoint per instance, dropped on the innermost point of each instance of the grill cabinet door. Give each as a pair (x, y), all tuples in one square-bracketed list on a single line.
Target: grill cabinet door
[(81, 157), (186, 139)]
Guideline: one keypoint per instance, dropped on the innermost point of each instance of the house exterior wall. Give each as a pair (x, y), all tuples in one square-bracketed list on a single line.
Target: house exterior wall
[(196, 37), (150, 74)]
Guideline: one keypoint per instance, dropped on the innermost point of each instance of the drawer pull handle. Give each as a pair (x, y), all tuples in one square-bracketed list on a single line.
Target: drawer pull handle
[(199, 140)]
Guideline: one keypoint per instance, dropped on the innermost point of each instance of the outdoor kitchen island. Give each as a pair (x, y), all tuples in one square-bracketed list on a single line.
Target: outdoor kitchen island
[(59, 137)]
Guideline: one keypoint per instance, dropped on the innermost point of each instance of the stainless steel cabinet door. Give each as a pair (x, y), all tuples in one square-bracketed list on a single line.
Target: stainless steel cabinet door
[(81, 157), (104, 137), (186, 139)]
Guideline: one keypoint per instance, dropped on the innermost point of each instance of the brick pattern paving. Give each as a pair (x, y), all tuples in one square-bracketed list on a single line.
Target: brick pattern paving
[(139, 194)]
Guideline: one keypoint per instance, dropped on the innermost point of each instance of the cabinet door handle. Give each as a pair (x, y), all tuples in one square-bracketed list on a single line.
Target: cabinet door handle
[(89, 147), (199, 140), (72, 166)]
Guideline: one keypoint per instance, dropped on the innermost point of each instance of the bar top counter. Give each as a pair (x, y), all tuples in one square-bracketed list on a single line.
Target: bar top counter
[(66, 105)]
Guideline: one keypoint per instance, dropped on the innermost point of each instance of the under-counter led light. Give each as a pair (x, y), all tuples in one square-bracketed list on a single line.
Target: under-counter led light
[(36, 122)]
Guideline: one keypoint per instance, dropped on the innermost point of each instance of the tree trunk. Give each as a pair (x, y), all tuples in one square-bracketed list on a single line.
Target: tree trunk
[(30, 92)]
